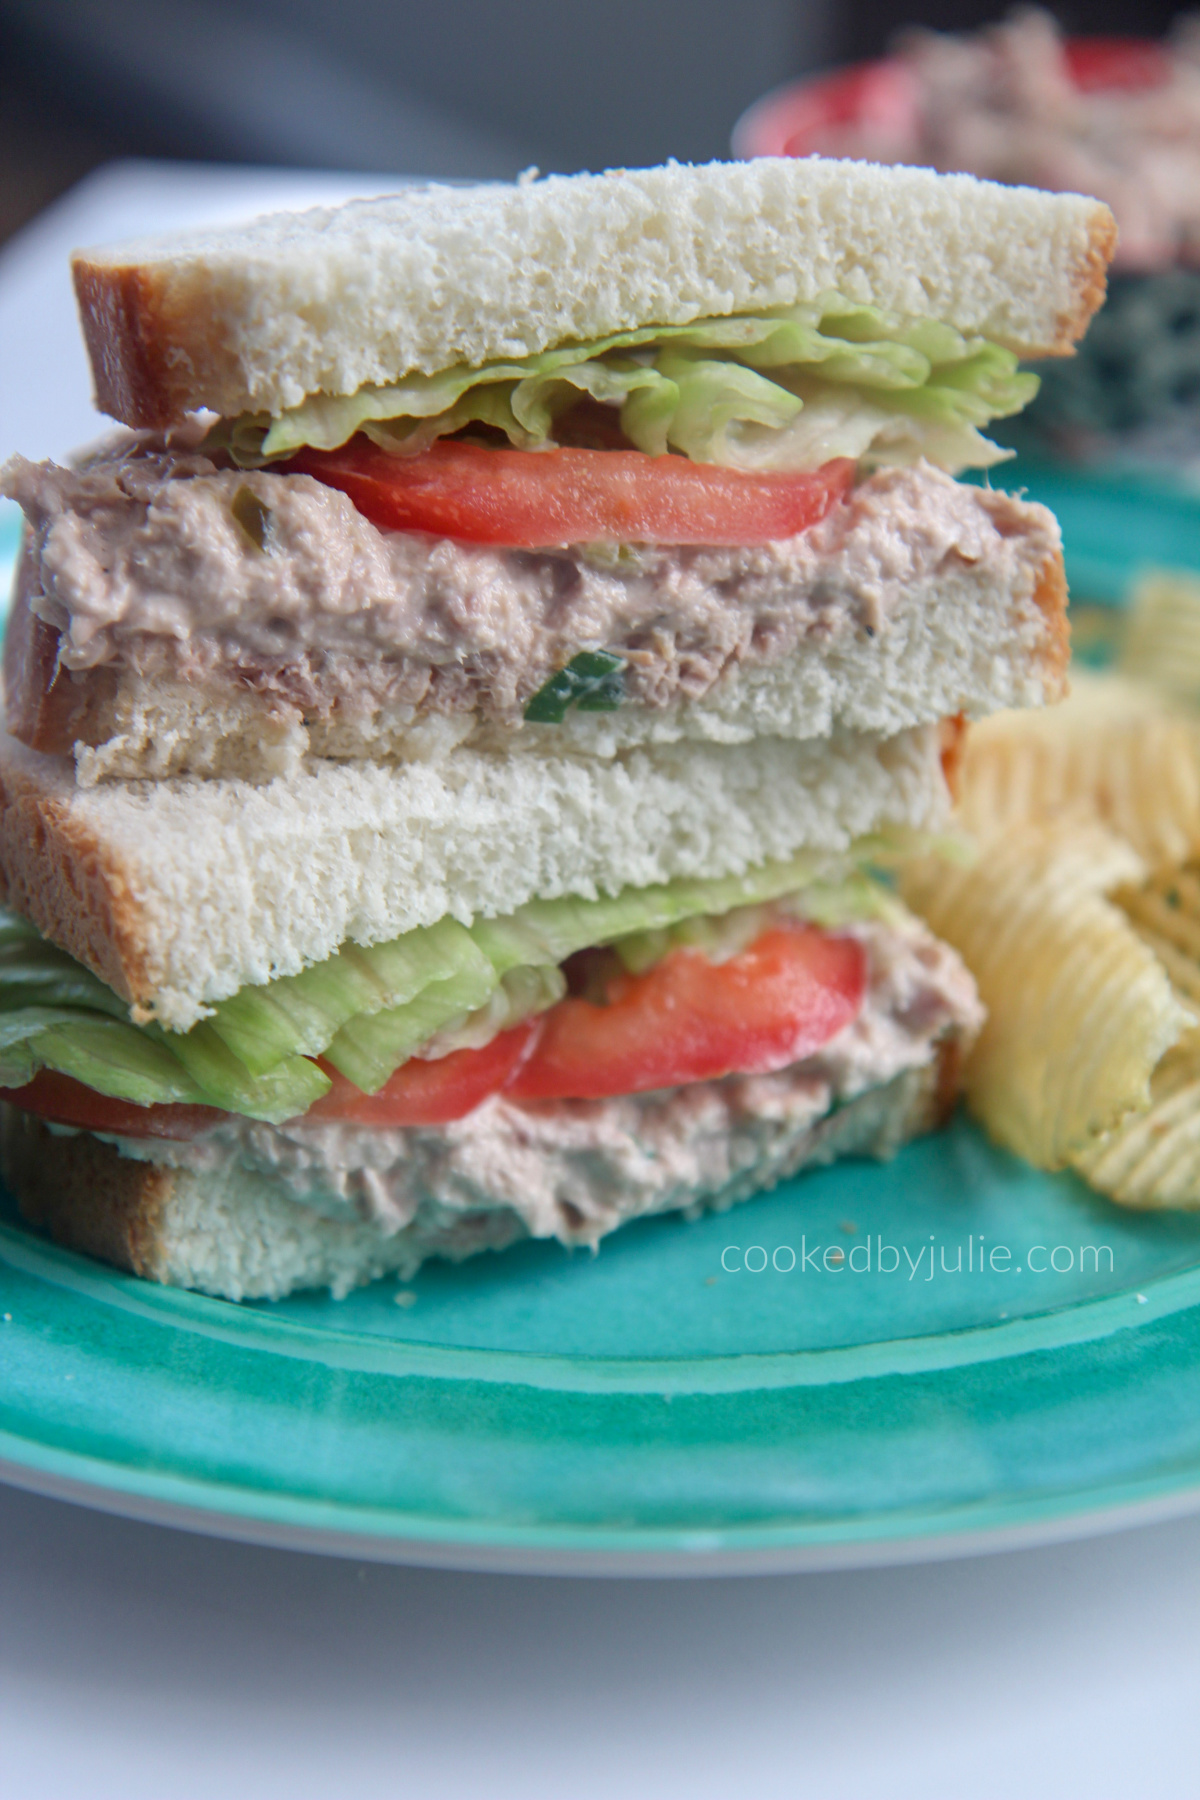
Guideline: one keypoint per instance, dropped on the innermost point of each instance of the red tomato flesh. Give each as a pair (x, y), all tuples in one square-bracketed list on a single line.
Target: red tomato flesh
[(430, 1093), (65, 1101), (688, 1019), (528, 499)]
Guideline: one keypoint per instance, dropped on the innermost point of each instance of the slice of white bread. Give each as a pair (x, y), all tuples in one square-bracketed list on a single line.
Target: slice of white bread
[(237, 1232), (256, 318), (179, 892)]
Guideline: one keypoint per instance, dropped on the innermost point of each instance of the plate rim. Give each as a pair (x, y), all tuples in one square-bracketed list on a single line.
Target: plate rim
[(273, 1518), (350, 1532)]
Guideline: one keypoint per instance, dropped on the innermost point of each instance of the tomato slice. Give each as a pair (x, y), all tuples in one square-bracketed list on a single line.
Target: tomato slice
[(688, 1019), (419, 1093), (430, 1093), (532, 498), (65, 1101)]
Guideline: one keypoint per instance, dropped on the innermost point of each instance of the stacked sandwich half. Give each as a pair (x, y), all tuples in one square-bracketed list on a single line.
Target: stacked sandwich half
[(455, 734)]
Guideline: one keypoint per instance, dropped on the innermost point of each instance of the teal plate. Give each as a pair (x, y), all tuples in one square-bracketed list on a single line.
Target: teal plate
[(874, 1363)]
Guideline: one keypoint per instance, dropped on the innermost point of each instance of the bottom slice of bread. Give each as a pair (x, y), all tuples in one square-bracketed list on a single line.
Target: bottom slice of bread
[(246, 1209), (237, 1232)]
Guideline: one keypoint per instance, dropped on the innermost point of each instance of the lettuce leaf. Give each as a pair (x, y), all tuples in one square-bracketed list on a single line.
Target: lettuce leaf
[(372, 1046), (281, 1092), (36, 974), (710, 390), (55, 1014), (108, 1055), (367, 1010), (521, 993), (300, 1015), (546, 932), (830, 904)]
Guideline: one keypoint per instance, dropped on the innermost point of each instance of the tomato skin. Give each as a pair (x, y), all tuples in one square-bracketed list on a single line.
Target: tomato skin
[(64, 1101), (684, 1020), (529, 499), (419, 1093), (688, 1019), (430, 1093)]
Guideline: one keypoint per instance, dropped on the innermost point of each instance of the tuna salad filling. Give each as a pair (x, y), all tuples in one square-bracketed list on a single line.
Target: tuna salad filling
[(150, 564), (576, 1169)]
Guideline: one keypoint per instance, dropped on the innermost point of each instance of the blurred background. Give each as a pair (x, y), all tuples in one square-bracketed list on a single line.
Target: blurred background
[(467, 87)]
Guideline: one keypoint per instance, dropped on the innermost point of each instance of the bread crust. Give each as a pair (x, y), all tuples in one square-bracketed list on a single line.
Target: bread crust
[(1050, 596), (952, 739), (57, 872), (1093, 286), (85, 1195), (140, 374), (44, 707)]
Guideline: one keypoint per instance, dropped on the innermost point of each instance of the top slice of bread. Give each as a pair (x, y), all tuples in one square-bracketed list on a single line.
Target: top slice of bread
[(256, 318)]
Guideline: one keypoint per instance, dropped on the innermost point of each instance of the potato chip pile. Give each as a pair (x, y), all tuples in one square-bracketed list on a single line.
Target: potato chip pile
[(1080, 915), (1161, 642)]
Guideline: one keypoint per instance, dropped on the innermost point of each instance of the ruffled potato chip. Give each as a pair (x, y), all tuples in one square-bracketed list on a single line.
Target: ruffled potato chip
[(1161, 641), (1152, 1159), (1080, 1009), (1081, 918), (1165, 913), (1116, 752)]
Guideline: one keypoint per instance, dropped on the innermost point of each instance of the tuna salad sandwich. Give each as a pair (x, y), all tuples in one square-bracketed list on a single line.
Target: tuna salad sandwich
[(455, 732)]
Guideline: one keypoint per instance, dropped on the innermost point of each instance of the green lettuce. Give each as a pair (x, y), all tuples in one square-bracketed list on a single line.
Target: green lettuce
[(55, 1014), (830, 904), (301, 1015), (731, 391), (372, 1046), (367, 1010), (522, 993)]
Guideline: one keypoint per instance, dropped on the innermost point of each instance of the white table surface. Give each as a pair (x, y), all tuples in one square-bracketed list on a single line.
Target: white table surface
[(137, 1661)]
